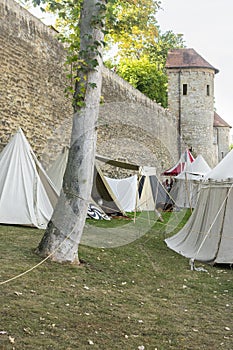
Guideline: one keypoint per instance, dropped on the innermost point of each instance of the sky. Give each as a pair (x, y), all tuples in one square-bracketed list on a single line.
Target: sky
[(207, 27)]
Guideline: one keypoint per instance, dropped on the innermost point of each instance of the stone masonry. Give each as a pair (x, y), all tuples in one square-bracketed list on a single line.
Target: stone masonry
[(196, 109), (191, 100), (32, 82)]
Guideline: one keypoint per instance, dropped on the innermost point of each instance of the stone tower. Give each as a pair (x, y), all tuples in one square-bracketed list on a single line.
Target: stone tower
[(191, 100)]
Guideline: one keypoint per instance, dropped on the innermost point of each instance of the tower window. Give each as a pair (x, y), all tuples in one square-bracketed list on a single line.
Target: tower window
[(185, 89), (207, 90)]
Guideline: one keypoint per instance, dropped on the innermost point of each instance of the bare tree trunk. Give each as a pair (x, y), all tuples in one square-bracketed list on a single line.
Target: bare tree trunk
[(62, 237)]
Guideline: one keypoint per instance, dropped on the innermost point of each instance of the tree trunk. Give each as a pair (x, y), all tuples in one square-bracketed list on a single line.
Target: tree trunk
[(62, 237)]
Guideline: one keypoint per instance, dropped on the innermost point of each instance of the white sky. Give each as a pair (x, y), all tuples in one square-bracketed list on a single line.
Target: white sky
[(207, 26)]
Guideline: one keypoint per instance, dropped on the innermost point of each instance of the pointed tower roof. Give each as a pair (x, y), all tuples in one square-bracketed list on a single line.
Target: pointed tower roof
[(187, 58)]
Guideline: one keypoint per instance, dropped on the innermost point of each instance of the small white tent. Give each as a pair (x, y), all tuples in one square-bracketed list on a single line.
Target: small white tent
[(152, 194), (208, 235), (125, 190), (27, 195), (187, 184)]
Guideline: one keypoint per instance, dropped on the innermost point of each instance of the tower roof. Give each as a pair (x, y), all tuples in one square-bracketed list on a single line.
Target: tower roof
[(218, 121), (187, 58)]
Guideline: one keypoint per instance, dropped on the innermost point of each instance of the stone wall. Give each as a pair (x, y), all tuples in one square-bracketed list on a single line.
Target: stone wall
[(32, 81), (223, 140), (134, 128)]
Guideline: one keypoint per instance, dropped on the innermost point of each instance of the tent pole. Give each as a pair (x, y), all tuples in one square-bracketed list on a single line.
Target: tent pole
[(188, 192)]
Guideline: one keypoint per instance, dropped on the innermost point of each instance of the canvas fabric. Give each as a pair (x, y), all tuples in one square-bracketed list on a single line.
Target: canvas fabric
[(207, 236), (125, 190), (27, 195)]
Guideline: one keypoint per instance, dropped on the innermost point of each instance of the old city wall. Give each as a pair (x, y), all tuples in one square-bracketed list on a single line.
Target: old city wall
[(32, 80)]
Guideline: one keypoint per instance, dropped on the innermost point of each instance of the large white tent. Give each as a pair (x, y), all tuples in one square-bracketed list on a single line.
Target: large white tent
[(208, 234), (27, 195), (187, 184)]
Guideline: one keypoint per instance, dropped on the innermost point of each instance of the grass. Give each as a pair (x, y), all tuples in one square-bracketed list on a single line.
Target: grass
[(130, 296)]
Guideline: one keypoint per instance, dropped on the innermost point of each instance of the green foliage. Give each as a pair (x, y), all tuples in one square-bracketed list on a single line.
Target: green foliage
[(147, 72), (145, 77), (142, 49), (132, 25), (81, 59)]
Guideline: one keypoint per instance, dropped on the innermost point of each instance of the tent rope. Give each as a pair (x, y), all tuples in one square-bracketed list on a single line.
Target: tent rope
[(41, 262)]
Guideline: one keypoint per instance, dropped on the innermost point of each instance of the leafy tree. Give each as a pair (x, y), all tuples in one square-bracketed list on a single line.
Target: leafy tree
[(131, 24), (145, 68), (164, 42), (145, 76), (132, 27), (141, 48)]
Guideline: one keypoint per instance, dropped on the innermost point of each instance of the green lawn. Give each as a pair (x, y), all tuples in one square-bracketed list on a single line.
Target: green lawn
[(130, 296)]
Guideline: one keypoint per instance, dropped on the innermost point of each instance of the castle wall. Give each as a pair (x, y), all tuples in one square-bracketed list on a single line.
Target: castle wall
[(32, 82), (31, 79), (132, 127)]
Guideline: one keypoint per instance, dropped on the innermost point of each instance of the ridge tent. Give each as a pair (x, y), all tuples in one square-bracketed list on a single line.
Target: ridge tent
[(185, 159), (187, 184), (27, 195), (103, 195), (152, 194), (208, 235), (125, 189)]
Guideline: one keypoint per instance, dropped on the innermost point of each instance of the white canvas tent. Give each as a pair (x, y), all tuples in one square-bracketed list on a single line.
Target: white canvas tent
[(152, 194), (208, 235), (57, 169), (125, 190), (27, 195), (187, 184), (117, 196)]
